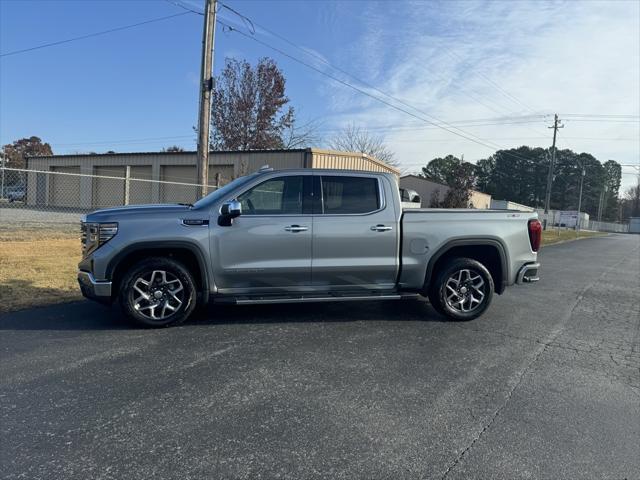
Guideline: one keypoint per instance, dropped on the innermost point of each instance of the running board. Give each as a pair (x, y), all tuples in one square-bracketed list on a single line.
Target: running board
[(264, 300)]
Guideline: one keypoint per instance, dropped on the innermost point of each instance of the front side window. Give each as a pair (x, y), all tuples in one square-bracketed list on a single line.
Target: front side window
[(277, 196), (343, 195)]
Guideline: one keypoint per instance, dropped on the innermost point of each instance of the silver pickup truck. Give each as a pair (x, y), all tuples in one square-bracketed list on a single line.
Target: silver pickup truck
[(303, 236)]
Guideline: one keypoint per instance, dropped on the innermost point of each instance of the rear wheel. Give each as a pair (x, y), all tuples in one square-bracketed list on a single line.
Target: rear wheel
[(462, 290), (158, 292)]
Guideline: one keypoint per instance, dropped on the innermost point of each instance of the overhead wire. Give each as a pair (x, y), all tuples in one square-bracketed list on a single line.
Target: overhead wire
[(465, 135), (358, 79), (94, 34)]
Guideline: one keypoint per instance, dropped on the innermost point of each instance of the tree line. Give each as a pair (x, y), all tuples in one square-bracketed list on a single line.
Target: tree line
[(520, 175)]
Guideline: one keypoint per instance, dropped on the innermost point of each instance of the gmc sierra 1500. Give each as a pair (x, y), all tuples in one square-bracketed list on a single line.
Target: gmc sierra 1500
[(302, 236)]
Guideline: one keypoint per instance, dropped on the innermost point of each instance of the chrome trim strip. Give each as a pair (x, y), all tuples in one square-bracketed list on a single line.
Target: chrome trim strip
[(265, 301), (381, 196), (99, 288), (523, 271)]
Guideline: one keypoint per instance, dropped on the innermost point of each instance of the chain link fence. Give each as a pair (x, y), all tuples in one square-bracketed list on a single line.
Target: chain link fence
[(555, 220), (33, 198)]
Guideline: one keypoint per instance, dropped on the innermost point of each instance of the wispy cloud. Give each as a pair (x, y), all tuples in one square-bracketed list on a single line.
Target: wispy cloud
[(462, 60)]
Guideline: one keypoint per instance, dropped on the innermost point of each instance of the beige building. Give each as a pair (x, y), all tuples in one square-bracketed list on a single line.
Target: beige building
[(428, 190), (104, 180)]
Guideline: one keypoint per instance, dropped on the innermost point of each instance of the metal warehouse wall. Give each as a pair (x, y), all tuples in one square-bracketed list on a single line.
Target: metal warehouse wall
[(347, 161), (425, 188), (91, 192)]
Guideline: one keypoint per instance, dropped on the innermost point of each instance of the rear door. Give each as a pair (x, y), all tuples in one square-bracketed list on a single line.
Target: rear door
[(355, 237), (268, 247)]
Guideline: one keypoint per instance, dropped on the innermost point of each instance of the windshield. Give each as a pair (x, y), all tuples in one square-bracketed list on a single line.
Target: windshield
[(222, 192)]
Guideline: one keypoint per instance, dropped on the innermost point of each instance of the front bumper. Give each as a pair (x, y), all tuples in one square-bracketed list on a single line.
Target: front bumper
[(528, 273), (94, 289)]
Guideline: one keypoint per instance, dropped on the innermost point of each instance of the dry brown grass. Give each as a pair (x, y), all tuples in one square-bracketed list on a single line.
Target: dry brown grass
[(551, 236), (38, 267)]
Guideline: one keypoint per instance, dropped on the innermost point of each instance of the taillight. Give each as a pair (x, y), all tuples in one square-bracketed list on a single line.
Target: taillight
[(535, 234)]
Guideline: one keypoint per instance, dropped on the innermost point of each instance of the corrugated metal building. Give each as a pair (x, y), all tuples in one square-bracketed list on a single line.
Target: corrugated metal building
[(428, 190), (90, 189), (509, 205)]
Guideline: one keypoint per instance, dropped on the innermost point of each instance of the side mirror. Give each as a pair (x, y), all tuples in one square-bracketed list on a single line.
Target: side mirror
[(228, 212)]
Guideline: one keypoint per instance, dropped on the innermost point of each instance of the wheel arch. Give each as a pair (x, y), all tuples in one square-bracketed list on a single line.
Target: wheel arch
[(187, 253), (489, 251)]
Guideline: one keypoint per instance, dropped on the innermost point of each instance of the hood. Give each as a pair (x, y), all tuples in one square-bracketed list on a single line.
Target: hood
[(109, 214)]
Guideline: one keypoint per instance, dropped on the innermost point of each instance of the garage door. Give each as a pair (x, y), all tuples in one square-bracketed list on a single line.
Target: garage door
[(140, 192), (108, 192), (64, 190), (174, 193)]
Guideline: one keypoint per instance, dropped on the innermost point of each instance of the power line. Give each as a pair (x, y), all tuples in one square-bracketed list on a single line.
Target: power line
[(251, 23), (95, 34), (599, 115), (464, 135), (326, 62), (603, 120)]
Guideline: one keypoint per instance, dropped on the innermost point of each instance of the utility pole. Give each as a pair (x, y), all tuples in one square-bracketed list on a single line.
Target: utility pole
[(206, 85), (602, 201), (552, 162), (2, 165), (578, 222)]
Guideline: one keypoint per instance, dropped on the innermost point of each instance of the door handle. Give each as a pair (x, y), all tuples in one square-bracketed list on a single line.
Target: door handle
[(381, 228), (296, 228)]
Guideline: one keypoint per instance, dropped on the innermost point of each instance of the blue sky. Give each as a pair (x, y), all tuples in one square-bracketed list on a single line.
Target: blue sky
[(453, 61)]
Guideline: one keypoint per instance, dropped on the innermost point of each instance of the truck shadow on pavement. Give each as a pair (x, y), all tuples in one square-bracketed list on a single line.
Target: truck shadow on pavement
[(86, 315)]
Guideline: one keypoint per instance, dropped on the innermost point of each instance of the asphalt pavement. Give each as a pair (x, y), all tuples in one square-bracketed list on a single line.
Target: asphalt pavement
[(545, 385)]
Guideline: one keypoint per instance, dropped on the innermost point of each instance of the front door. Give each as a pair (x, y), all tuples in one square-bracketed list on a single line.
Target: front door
[(355, 240), (268, 247)]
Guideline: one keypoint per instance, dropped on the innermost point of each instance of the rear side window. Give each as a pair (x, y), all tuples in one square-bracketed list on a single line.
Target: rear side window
[(343, 195)]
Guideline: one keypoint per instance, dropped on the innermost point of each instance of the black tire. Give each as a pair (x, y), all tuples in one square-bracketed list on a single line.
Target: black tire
[(449, 304), (175, 304)]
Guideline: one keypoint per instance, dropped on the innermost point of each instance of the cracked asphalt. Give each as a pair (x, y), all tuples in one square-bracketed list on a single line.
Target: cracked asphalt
[(545, 385)]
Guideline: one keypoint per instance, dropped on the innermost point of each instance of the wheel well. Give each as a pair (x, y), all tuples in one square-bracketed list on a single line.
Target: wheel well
[(183, 255), (488, 255)]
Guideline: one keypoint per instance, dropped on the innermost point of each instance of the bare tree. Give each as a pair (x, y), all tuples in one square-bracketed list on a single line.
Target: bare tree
[(358, 139), (173, 148), (249, 106), (301, 136)]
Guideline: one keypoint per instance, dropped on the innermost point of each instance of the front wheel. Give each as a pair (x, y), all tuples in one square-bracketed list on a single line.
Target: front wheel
[(158, 292), (462, 290)]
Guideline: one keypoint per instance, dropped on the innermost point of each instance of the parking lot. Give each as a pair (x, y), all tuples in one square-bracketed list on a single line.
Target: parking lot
[(545, 385)]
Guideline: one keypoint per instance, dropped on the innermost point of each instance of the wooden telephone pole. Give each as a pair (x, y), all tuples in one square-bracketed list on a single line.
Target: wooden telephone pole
[(556, 126), (206, 85)]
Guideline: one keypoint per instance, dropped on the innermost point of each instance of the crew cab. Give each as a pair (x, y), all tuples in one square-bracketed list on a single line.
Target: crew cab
[(303, 236)]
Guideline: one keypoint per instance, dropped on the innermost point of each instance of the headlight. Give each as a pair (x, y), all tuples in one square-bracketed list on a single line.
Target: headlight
[(95, 235)]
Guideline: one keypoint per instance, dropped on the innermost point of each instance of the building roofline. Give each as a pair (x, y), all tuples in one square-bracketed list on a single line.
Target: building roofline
[(426, 179), (190, 152), (227, 152)]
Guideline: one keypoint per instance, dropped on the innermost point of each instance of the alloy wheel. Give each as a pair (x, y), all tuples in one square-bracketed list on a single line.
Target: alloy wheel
[(465, 290), (158, 294)]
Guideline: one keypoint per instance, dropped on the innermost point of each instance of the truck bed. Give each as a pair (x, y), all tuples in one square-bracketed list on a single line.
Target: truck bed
[(427, 232)]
